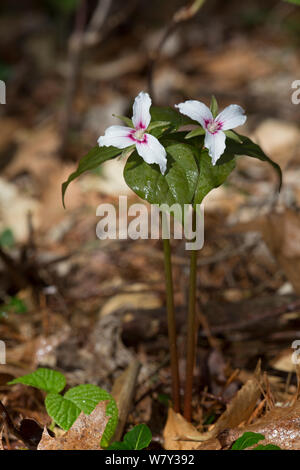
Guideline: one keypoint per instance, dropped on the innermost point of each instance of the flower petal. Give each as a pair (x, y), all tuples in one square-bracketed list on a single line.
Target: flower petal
[(152, 151), (196, 110), (116, 136), (141, 115), (215, 143), (231, 117)]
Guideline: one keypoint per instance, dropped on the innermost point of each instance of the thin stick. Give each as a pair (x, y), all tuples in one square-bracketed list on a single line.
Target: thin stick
[(191, 334), (172, 326), (123, 392)]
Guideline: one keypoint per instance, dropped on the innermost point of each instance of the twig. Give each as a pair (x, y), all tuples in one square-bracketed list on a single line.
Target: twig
[(184, 14), (123, 392)]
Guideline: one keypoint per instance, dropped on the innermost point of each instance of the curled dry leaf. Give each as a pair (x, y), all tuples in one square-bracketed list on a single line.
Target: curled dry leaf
[(179, 434), (85, 434), (241, 406)]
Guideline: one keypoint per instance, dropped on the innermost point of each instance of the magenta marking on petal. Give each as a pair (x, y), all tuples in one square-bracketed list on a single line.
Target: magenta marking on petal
[(213, 127), (131, 135), (144, 141), (140, 125), (207, 122)]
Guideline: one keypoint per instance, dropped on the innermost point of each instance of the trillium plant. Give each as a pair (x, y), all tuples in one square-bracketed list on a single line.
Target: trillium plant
[(176, 156)]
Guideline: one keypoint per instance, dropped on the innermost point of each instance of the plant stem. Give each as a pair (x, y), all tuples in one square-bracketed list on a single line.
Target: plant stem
[(191, 335), (171, 326)]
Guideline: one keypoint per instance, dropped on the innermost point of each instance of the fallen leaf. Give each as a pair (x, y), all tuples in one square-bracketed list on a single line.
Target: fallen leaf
[(281, 427), (85, 434), (241, 406), (281, 233), (179, 434)]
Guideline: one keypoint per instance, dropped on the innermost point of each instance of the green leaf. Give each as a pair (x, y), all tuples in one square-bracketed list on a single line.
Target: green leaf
[(7, 239), (125, 119), (211, 176), (214, 106), (233, 135), (155, 124), (169, 114), (248, 439), (158, 128), (64, 412), (249, 148), (267, 447), (15, 305), (86, 397), (90, 161), (118, 446), (44, 379), (176, 186), (138, 438), (195, 133)]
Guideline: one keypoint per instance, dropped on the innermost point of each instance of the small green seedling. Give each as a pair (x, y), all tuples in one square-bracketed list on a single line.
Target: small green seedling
[(137, 439), (249, 439), (65, 409)]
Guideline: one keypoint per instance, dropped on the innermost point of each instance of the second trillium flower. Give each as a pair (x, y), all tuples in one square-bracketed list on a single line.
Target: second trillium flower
[(147, 146), (231, 117)]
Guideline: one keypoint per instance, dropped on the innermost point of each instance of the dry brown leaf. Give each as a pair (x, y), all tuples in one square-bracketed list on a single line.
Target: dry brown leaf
[(241, 406), (179, 434), (1, 445), (281, 426), (281, 233), (85, 434)]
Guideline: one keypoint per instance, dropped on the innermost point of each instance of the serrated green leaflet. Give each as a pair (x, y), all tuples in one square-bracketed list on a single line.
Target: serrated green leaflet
[(44, 379), (86, 397), (90, 161), (248, 439), (61, 410), (138, 438), (211, 176), (176, 186), (64, 410)]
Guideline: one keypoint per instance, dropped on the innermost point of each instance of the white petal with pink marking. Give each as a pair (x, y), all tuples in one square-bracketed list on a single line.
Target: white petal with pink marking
[(116, 136), (141, 111), (215, 143), (196, 110), (152, 151), (231, 117)]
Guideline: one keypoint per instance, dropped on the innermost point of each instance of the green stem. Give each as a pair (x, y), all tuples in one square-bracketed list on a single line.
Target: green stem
[(172, 326), (191, 336)]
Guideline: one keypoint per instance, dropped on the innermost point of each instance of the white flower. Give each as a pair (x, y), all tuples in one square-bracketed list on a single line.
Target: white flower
[(229, 118), (147, 146)]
